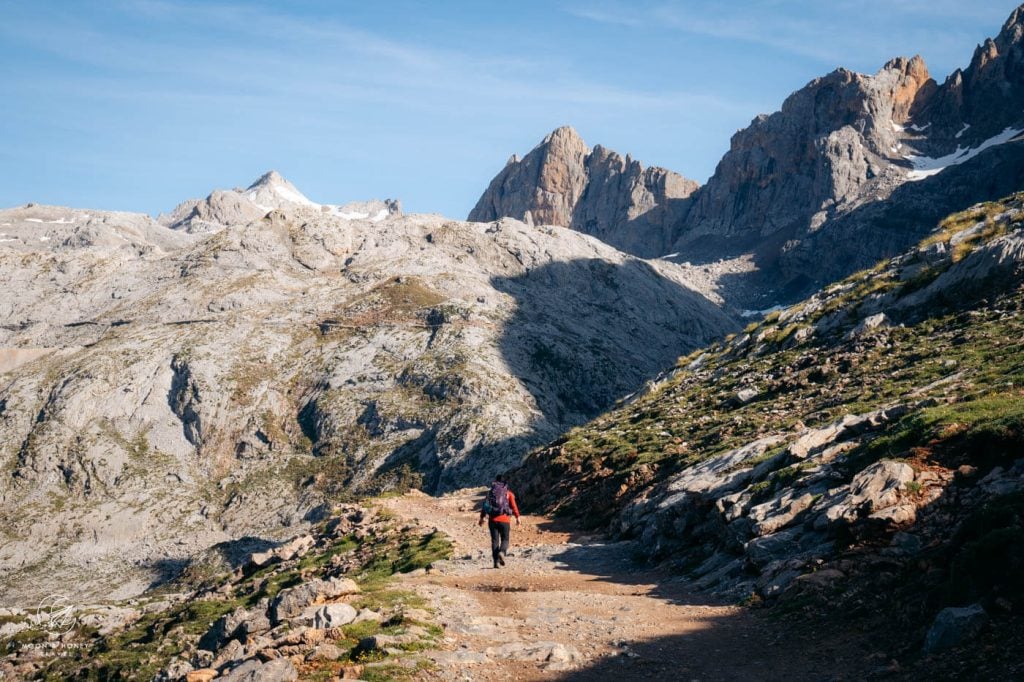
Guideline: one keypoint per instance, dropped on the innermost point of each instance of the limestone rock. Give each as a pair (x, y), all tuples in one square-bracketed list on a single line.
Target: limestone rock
[(278, 670), (875, 488), (237, 625), (326, 652), (201, 675), (334, 615), (293, 601), (597, 192), (811, 157)]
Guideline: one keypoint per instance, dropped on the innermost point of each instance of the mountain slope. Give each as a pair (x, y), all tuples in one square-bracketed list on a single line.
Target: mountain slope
[(184, 389), (830, 451)]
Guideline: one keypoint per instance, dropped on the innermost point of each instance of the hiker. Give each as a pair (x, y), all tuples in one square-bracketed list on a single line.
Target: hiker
[(498, 505)]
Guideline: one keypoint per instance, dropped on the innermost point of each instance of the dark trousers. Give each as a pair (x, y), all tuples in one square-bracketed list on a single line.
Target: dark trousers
[(499, 538)]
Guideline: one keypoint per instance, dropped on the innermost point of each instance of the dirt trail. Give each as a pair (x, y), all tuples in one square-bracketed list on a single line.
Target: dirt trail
[(574, 608)]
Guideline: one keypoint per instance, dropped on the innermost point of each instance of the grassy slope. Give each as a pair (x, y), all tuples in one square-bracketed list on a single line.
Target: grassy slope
[(145, 646), (972, 355), (805, 369)]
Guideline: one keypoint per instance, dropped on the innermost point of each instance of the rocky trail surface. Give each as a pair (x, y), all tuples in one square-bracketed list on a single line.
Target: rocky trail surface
[(570, 607)]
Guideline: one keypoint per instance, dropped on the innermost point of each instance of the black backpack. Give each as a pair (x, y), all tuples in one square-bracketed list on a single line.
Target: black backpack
[(497, 500)]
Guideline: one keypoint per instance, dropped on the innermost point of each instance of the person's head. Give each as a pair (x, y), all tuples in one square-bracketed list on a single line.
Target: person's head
[(500, 478)]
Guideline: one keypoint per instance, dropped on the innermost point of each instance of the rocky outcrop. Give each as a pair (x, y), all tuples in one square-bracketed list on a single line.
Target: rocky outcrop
[(546, 184), (813, 190), (979, 102), (597, 192), (268, 193), (829, 147)]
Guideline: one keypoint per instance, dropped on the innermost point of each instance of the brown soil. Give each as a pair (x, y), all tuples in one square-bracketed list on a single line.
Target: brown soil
[(614, 619)]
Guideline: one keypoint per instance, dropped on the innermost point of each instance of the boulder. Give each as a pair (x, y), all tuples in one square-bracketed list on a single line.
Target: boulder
[(333, 615), (745, 395), (779, 512), (953, 626), (876, 488), (292, 601), (879, 485), (252, 670), (238, 624), (870, 324), (227, 656), (296, 548), (326, 652), (201, 675), (721, 474)]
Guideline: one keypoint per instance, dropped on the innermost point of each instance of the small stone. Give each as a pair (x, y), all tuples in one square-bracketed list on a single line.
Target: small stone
[(745, 395), (351, 672), (326, 652), (967, 471), (201, 675), (367, 614)]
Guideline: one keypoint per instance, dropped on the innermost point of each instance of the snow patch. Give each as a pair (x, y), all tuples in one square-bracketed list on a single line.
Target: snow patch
[(33, 220), (44, 239), (919, 129), (381, 215), (278, 191), (671, 255), (896, 127), (351, 215), (8, 240), (925, 167), (967, 126), (288, 194)]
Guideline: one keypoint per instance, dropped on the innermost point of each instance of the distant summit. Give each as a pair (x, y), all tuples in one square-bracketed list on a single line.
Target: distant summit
[(597, 192), (271, 192)]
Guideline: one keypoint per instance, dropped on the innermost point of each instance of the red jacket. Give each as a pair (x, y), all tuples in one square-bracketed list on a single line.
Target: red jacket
[(503, 518)]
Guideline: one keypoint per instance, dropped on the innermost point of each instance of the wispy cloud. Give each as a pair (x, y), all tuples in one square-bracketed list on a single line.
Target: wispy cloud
[(831, 33), (278, 55)]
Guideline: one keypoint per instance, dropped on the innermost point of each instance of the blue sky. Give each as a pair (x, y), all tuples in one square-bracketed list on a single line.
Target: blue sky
[(138, 104)]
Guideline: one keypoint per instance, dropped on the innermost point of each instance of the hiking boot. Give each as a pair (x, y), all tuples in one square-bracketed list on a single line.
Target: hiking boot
[(501, 560)]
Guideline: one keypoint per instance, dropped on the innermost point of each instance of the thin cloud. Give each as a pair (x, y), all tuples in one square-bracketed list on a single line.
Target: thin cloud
[(832, 34), (362, 66)]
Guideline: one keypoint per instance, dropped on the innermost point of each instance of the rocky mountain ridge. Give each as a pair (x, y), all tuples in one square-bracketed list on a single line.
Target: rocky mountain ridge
[(168, 389), (270, 191), (597, 192), (841, 145)]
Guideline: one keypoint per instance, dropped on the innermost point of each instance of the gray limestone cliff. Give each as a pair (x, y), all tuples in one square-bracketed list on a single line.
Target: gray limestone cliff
[(597, 192)]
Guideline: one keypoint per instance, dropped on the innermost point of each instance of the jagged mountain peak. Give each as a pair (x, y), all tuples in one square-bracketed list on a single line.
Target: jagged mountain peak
[(566, 135), (597, 191), (272, 189), (1014, 25), (271, 177)]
